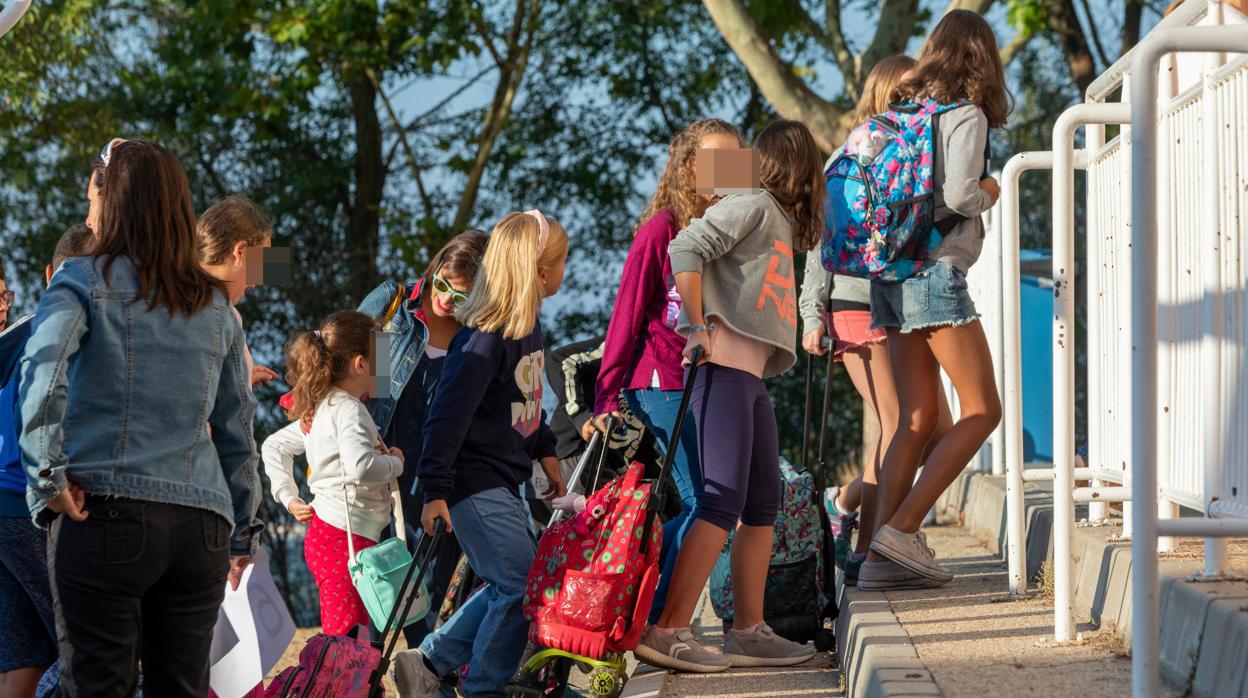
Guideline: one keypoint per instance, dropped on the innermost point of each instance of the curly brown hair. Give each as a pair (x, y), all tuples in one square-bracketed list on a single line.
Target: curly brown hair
[(791, 170), (961, 61), (676, 191), (314, 360)]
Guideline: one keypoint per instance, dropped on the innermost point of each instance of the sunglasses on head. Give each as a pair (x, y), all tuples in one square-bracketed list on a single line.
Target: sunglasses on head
[(441, 285), (107, 153)]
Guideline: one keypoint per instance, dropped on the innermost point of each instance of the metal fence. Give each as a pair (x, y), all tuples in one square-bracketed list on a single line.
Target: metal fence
[(1167, 315)]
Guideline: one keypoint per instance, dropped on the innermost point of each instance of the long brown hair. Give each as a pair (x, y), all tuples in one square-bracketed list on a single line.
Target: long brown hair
[(460, 257), (791, 170), (314, 360), (961, 61), (676, 187), (228, 222), (879, 86), (147, 216)]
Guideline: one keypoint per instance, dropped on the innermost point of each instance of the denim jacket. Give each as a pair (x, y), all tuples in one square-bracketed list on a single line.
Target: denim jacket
[(407, 348), (161, 409)]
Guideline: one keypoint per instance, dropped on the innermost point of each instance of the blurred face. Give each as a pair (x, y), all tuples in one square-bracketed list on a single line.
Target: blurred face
[(4, 305), (447, 293), (714, 141), (552, 277)]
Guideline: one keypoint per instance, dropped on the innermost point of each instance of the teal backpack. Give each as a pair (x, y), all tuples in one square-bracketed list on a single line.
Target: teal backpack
[(378, 571)]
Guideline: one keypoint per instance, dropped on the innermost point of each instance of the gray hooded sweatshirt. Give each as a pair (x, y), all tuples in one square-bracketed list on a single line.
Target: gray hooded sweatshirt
[(743, 246)]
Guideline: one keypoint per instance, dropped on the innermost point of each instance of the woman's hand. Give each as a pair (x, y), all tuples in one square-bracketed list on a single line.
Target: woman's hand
[(600, 421), (69, 502), (300, 510), (261, 375), (238, 564), (812, 342), (992, 187), (698, 339), (550, 466), (434, 510)]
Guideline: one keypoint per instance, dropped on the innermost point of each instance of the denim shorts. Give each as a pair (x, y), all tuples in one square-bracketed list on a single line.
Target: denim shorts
[(935, 297), (29, 637)]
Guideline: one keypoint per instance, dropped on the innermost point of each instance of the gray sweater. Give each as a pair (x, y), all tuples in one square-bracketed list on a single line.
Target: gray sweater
[(963, 135), (743, 246)]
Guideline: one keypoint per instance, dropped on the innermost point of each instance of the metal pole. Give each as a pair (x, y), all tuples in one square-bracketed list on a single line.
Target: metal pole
[(1094, 141), (1011, 364), (1145, 640), (1064, 350), (11, 14)]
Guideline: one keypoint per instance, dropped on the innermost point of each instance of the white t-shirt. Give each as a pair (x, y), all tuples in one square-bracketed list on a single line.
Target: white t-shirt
[(434, 352), (1186, 70), (341, 449)]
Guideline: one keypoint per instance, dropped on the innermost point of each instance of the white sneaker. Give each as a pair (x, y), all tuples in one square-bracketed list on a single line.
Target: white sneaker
[(910, 551), (413, 678)]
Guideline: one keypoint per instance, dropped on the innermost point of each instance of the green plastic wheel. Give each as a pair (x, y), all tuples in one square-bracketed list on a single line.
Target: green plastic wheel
[(606, 682)]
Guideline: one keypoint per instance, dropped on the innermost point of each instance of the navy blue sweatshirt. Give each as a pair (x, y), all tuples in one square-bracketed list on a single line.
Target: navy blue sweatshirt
[(486, 425)]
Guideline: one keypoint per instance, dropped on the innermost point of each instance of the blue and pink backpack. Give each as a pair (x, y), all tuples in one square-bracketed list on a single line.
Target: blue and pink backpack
[(879, 215)]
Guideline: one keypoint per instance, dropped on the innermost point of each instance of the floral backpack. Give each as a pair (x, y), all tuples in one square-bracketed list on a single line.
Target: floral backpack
[(794, 600), (879, 212), (593, 580)]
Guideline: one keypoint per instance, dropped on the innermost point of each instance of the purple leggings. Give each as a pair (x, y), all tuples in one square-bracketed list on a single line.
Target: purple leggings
[(738, 446)]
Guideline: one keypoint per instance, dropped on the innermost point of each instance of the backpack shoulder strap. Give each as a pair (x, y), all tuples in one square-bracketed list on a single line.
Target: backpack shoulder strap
[(393, 307)]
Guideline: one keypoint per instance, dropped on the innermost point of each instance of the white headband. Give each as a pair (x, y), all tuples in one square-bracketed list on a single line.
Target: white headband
[(543, 229)]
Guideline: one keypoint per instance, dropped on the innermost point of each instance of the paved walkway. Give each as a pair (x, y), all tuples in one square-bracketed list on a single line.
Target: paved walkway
[(975, 641), (818, 678)]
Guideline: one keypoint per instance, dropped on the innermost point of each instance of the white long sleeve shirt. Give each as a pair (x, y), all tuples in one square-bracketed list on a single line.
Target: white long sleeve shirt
[(341, 448)]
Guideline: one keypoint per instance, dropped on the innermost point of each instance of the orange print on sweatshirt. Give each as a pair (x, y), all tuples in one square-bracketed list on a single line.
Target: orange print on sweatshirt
[(779, 287)]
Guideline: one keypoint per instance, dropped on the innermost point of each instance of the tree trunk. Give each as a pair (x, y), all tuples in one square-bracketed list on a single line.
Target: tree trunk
[(1064, 22), (370, 180), (788, 95), (1131, 13)]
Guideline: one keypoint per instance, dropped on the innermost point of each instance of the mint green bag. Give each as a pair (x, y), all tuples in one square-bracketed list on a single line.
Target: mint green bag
[(377, 572)]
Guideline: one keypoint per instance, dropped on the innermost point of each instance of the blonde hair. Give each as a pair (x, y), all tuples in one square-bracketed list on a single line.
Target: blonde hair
[(878, 89), (507, 292)]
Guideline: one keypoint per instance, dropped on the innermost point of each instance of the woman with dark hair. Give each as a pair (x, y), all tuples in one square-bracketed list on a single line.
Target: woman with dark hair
[(147, 477), (421, 315)]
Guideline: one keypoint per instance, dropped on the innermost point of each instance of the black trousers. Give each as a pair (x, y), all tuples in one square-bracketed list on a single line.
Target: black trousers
[(137, 580)]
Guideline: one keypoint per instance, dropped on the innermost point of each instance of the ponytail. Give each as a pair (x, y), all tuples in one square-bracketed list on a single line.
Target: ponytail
[(314, 360)]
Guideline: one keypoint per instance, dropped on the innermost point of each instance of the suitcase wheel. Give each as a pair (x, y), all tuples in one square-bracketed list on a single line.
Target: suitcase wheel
[(606, 682)]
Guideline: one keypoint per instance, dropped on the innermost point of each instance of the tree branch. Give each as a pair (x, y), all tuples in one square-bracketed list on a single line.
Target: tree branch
[(407, 147), (1015, 47), (1132, 12), (447, 100), (787, 93), (479, 22), (829, 35), (979, 7), (892, 33), (1064, 23), (1095, 34)]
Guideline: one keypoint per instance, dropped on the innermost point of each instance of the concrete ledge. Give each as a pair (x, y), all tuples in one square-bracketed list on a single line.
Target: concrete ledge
[(1204, 638), (877, 657)]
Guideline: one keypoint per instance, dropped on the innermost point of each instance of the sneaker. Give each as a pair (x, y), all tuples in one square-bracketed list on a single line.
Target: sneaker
[(887, 575), (910, 551), (841, 523), (852, 569), (763, 647), (413, 678), (680, 652)]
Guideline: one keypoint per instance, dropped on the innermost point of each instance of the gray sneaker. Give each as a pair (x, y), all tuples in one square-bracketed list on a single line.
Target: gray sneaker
[(910, 551), (887, 575), (679, 652), (763, 647), (413, 678)]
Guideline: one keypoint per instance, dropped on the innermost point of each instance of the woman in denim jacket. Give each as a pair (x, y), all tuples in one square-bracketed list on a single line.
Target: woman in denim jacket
[(147, 475)]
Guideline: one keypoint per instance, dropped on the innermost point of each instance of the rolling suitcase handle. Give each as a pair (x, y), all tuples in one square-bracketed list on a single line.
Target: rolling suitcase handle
[(659, 495), (583, 461), (413, 571)]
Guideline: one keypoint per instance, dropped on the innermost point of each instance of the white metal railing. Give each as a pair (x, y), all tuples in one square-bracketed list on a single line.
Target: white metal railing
[(12, 12), (1147, 335), (1196, 447)]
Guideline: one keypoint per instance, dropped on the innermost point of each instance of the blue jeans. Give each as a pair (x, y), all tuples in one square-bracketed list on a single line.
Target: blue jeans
[(489, 632), (657, 409)]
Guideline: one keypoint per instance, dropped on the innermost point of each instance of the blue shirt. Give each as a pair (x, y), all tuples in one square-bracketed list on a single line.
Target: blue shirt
[(486, 425), (12, 477)]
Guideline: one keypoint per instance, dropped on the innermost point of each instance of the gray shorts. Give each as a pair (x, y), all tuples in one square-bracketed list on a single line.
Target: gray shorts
[(935, 297)]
